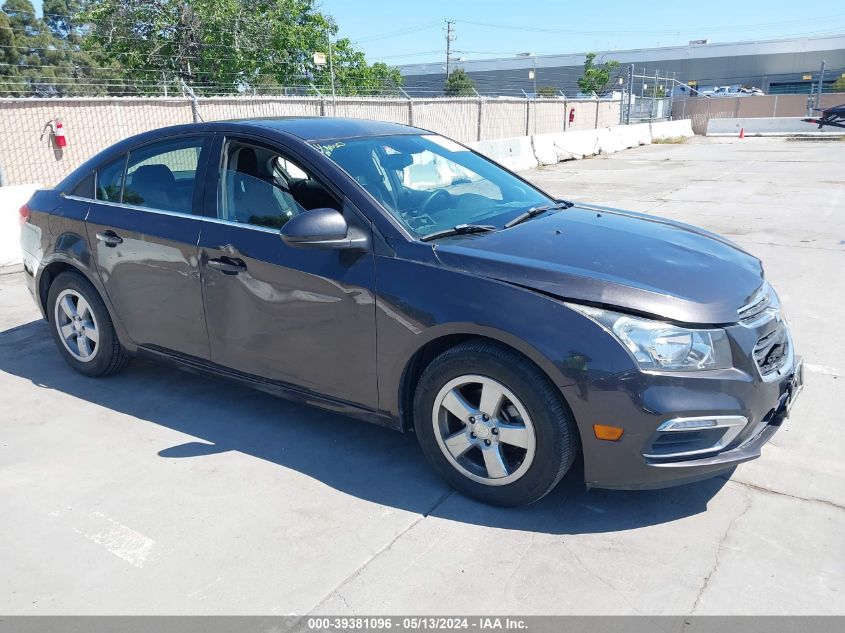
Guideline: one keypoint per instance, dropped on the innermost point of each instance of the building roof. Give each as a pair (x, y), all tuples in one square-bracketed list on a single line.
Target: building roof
[(642, 55)]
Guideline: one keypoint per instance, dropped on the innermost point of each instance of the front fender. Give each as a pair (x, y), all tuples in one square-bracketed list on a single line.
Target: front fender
[(418, 303)]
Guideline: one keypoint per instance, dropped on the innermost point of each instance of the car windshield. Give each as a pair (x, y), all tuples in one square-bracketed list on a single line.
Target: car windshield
[(430, 183)]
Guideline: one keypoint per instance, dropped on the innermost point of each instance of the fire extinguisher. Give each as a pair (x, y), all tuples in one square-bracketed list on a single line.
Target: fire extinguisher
[(572, 116), (59, 137), (56, 129)]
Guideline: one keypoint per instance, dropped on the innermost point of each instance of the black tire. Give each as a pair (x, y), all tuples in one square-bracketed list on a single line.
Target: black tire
[(554, 429), (108, 356)]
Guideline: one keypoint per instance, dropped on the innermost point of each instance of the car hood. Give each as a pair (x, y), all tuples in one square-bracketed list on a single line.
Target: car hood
[(621, 259)]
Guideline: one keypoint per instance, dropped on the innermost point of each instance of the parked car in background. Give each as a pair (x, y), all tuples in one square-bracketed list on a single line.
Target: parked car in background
[(396, 276), (736, 91)]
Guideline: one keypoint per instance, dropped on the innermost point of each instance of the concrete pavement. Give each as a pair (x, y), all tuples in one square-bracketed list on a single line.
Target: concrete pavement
[(159, 491)]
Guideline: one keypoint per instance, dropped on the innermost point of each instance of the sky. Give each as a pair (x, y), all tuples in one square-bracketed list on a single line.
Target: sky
[(401, 31), (411, 31)]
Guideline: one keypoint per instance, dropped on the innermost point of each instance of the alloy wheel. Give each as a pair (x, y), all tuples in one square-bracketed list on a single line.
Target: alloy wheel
[(77, 325), (484, 430)]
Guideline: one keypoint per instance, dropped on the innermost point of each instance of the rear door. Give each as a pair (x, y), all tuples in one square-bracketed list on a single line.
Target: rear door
[(303, 317), (144, 228)]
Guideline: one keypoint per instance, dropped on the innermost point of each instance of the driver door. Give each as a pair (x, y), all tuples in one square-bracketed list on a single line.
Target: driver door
[(297, 316)]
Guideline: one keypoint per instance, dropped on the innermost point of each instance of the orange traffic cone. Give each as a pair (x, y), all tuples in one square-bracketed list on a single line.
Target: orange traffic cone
[(742, 132)]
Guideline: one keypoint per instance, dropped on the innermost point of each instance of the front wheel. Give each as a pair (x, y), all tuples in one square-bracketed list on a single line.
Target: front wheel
[(493, 425)]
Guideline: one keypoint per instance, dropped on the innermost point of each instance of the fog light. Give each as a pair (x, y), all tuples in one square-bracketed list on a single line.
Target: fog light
[(605, 432), (687, 425), (688, 437)]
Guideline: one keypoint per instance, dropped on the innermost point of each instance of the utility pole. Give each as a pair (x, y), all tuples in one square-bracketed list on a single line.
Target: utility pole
[(821, 85), (331, 71), (450, 37)]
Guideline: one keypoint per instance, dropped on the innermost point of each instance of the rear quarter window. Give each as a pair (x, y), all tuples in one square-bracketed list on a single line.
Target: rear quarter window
[(110, 180), (84, 188)]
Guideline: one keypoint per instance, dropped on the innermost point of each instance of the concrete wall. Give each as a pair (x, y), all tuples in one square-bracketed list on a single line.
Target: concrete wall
[(671, 129), (769, 126), (702, 109), (92, 124)]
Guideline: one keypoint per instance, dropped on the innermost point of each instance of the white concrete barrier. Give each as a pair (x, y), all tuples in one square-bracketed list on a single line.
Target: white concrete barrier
[(771, 126), (11, 200), (672, 129), (628, 136), (513, 153), (553, 148), (609, 141)]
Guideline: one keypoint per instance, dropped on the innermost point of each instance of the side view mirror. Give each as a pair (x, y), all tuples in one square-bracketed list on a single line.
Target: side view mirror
[(323, 228)]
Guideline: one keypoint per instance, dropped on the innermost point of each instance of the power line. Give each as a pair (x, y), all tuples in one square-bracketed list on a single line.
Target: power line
[(397, 33), (410, 54)]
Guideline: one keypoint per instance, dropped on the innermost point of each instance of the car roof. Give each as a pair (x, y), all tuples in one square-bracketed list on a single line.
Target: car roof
[(319, 128)]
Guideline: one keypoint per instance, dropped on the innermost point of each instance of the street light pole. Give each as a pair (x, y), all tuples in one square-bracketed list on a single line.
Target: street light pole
[(331, 70)]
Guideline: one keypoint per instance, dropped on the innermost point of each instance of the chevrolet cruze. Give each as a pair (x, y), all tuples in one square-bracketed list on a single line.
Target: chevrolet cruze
[(396, 276)]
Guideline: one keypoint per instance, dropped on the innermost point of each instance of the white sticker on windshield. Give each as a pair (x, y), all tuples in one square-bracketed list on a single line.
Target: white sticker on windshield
[(447, 144)]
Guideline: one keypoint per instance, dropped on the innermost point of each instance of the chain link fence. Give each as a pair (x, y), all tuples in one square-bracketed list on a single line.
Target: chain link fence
[(647, 94), (29, 153)]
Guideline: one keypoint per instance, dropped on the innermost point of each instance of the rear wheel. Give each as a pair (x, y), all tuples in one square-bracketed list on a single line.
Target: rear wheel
[(82, 327), (493, 425)]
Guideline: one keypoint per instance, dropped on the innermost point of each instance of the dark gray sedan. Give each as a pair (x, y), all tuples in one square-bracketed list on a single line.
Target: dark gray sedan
[(397, 276)]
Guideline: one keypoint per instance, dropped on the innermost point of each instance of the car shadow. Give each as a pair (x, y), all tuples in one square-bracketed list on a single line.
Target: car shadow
[(357, 458)]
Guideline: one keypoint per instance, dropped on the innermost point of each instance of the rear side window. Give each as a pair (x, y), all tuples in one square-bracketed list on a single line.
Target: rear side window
[(110, 180), (162, 175)]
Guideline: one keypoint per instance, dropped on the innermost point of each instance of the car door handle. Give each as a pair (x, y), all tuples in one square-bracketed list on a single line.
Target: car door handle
[(227, 265), (110, 238)]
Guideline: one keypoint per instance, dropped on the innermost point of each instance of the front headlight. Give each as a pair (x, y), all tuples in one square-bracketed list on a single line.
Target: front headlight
[(663, 346)]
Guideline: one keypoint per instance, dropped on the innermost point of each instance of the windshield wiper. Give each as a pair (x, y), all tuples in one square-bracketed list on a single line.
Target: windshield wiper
[(535, 211), (460, 229)]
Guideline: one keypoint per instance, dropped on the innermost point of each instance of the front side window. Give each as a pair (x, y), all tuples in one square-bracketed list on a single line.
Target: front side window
[(430, 183), (162, 175), (260, 187)]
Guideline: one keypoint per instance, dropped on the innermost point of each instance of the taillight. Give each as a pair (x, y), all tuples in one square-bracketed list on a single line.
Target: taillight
[(24, 215)]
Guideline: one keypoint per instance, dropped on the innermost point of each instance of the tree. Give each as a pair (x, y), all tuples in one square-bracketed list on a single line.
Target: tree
[(596, 77), (459, 84), (145, 46), (838, 85), (9, 71), (78, 70), (229, 45), (547, 91), (44, 57)]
